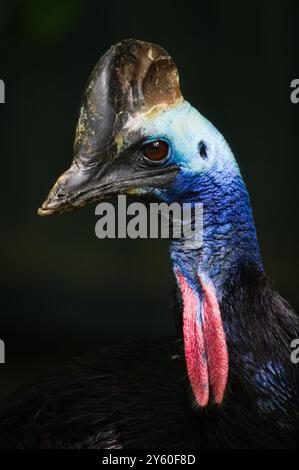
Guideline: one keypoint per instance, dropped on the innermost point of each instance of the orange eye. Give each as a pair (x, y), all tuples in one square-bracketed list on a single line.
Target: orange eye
[(156, 151)]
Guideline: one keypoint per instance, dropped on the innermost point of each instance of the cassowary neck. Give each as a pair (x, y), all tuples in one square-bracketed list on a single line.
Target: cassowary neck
[(229, 236), (229, 243), (235, 327)]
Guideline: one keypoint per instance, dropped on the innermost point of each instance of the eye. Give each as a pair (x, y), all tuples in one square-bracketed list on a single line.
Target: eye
[(156, 151), (203, 150)]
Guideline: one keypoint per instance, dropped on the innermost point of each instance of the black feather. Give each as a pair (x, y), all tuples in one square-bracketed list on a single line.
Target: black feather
[(137, 395)]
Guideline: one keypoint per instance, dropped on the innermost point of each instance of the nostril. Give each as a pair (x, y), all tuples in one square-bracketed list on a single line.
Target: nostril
[(203, 150), (60, 195)]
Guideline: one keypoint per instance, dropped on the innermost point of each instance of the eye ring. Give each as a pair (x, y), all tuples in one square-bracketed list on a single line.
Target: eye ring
[(156, 151)]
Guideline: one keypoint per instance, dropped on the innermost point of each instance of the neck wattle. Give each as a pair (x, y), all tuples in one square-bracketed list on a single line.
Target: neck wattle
[(229, 241)]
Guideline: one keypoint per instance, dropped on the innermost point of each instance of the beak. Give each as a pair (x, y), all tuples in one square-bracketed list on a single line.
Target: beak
[(73, 189), (132, 77), (78, 187)]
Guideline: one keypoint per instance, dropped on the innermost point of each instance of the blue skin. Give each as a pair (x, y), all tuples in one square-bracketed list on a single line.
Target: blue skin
[(229, 236)]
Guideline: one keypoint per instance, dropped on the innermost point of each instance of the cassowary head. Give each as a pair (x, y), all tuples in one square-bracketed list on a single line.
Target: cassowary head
[(137, 135)]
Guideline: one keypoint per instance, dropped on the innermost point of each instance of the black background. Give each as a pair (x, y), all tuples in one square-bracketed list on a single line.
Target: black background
[(62, 290)]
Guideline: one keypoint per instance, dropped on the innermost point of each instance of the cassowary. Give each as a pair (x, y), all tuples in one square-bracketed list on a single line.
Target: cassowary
[(226, 380)]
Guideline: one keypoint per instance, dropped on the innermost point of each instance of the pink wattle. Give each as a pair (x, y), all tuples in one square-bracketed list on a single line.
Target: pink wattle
[(205, 345), (215, 342), (196, 360)]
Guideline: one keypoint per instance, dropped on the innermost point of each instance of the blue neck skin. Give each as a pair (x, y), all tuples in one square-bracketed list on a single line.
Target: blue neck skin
[(229, 236)]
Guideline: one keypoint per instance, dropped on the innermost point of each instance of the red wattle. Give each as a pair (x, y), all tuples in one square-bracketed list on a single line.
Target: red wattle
[(204, 341), (215, 342), (196, 360)]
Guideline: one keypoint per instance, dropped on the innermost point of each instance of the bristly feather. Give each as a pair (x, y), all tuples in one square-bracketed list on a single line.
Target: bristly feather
[(134, 396)]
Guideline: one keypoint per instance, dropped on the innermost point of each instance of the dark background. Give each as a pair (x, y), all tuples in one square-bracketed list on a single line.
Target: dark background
[(62, 290)]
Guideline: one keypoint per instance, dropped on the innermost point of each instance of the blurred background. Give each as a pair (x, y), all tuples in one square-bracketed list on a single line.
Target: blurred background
[(62, 290)]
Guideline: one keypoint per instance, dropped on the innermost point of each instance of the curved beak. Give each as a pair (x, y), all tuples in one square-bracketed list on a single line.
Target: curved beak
[(78, 187), (72, 189)]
